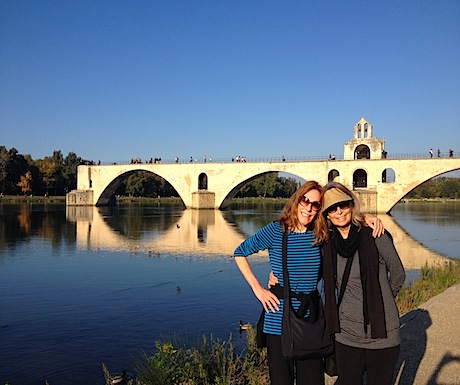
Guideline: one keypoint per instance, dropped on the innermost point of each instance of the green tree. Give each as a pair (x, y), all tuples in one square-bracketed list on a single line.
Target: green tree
[(144, 183), (136, 183), (450, 188), (287, 187), (69, 171), (3, 168), (51, 169), (13, 166), (266, 184)]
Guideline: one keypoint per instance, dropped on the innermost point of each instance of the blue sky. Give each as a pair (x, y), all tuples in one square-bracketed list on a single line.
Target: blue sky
[(112, 80)]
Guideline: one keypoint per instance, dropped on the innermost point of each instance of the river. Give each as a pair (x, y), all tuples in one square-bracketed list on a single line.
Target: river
[(82, 286)]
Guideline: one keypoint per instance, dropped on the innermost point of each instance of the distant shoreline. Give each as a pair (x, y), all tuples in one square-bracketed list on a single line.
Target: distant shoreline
[(121, 200)]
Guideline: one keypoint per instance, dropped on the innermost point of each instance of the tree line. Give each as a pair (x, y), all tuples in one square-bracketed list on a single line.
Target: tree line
[(57, 175), (22, 175), (441, 187)]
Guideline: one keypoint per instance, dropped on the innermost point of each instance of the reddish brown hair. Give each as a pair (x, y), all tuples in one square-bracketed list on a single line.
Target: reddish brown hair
[(288, 217)]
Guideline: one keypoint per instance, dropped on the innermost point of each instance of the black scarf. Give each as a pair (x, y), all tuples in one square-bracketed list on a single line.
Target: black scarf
[(346, 247), (361, 240)]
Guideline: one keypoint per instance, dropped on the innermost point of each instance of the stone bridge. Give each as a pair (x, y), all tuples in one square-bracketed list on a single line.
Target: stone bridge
[(379, 180), (379, 183)]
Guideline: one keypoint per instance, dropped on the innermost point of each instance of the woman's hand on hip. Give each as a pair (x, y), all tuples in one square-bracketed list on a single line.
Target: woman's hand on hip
[(268, 300)]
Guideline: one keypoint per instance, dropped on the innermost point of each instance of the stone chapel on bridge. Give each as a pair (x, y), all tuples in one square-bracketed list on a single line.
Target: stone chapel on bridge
[(364, 145)]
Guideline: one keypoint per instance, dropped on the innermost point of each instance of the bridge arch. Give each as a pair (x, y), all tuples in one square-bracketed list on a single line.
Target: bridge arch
[(402, 193), (360, 178), (332, 175), (107, 195), (388, 176), (362, 152), (202, 181), (232, 193)]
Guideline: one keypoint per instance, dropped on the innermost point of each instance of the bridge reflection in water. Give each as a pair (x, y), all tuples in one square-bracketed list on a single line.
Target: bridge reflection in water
[(207, 233)]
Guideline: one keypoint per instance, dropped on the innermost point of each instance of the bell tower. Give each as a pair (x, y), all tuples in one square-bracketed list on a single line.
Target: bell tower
[(364, 145)]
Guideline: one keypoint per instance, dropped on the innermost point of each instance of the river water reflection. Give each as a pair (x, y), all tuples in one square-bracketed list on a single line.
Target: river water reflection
[(89, 285)]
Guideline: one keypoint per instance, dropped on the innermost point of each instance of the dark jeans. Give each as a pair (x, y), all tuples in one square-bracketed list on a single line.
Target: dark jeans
[(378, 363), (284, 372)]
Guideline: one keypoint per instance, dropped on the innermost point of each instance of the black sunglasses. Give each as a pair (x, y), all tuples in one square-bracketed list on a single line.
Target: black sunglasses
[(304, 201), (342, 205)]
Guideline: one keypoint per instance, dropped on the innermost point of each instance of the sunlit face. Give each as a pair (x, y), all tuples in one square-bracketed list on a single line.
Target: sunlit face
[(306, 213), (341, 214)]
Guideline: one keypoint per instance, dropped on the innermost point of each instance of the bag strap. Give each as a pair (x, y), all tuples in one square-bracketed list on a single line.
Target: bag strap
[(308, 301), (286, 286)]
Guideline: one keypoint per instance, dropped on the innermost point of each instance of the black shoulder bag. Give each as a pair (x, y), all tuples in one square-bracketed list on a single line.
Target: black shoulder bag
[(303, 337)]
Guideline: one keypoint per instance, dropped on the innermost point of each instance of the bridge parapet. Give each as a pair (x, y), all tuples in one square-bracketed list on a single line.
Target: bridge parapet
[(289, 159)]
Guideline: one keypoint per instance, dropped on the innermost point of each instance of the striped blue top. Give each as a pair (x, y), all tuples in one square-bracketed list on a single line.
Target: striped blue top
[(303, 264)]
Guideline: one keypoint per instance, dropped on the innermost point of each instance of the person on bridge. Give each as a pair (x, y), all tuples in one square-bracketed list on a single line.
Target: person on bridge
[(366, 320), (305, 234)]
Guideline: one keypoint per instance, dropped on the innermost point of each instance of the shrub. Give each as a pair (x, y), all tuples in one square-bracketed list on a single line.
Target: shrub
[(211, 362)]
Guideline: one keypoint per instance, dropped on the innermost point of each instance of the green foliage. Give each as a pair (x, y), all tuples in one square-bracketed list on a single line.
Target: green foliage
[(146, 184), (12, 167), (431, 282), (52, 174), (286, 187), (211, 362), (269, 185), (69, 171), (437, 188)]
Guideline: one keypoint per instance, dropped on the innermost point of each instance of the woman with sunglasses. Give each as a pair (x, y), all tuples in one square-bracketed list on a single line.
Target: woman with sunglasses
[(366, 322), (305, 234)]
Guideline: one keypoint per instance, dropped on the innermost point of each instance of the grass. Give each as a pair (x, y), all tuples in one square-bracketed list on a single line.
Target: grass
[(211, 362), (31, 199), (431, 282)]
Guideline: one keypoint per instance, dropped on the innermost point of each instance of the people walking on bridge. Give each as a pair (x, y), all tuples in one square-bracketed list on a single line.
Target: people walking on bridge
[(304, 236), (439, 153), (431, 152), (368, 274), (451, 153)]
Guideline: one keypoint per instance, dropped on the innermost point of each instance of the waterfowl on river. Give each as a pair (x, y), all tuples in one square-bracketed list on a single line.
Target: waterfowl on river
[(119, 378), (244, 326)]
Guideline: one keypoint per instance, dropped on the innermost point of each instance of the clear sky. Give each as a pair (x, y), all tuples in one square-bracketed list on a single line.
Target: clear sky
[(111, 80)]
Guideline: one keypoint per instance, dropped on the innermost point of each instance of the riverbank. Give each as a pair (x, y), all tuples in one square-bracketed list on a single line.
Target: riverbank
[(440, 200), (429, 311), (148, 200), (14, 199), (126, 199)]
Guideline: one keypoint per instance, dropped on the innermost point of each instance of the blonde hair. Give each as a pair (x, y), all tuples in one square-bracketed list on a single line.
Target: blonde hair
[(289, 217), (356, 216)]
